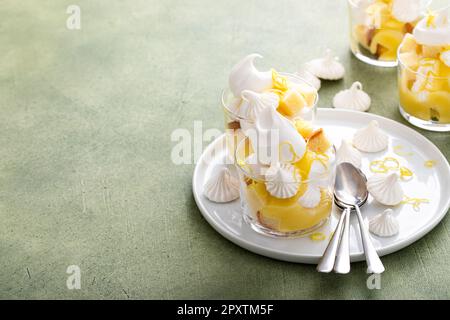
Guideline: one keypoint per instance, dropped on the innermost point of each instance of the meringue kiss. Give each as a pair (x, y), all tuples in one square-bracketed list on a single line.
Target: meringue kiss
[(244, 76), (282, 180), (386, 189), (371, 138), (222, 186), (327, 68), (354, 98), (384, 224), (347, 153)]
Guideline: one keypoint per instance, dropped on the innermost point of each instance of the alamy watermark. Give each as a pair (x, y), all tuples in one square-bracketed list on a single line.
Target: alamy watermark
[(74, 279), (73, 22)]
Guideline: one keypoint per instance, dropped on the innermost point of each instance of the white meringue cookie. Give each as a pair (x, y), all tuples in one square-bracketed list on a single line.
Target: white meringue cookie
[(354, 98), (370, 138), (347, 153), (311, 197), (244, 76), (327, 68), (386, 189), (436, 34), (253, 103), (309, 78), (407, 10), (222, 186), (275, 138), (384, 224), (283, 180)]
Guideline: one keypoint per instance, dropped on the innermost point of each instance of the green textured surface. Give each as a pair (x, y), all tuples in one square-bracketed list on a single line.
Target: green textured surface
[(85, 171)]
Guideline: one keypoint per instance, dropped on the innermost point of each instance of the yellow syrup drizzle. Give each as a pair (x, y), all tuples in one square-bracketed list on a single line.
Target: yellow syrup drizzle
[(390, 163), (430, 163), (317, 236), (398, 150), (415, 202)]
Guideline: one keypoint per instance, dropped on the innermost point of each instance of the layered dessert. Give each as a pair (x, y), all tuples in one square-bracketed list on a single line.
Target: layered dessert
[(286, 173), (378, 27), (251, 90), (424, 72)]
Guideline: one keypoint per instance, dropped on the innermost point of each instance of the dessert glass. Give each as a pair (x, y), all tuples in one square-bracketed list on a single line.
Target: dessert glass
[(236, 125), (277, 217), (428, 108), (374, 39)]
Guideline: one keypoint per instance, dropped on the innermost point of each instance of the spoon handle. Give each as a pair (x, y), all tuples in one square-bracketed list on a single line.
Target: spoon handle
[(374, 264), (342, 264), (327, 262)]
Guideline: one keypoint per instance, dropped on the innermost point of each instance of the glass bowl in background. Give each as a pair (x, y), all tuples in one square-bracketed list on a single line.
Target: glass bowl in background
[(375, 38), (278, 217), (424, 99), (236, 124)]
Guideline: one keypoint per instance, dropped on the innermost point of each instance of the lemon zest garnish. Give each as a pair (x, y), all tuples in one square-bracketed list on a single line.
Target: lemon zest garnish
[(398, 151), (291, 149), (279, 82), (317, 236), (389, 160), (377, 166), (390, 164), (405, 173), (431, 19), (415, 202), (430, 163)]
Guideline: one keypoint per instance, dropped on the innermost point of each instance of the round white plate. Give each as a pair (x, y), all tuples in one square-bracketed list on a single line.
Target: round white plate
[(430, 183)]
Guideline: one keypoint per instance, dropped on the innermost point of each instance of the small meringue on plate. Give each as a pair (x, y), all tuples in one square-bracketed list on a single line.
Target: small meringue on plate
[(353, 99), (222, 187), (282, 180), (348, 153), (309, 77), (371, 138), (384, 224), (327, 68), (386, 189)]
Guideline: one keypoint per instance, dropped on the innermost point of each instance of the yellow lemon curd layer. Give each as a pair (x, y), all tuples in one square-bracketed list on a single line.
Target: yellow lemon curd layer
[(424, 81), (286, 215)]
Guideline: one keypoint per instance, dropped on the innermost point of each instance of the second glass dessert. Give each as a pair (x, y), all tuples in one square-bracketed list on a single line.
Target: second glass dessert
[(377, 28), (424, 73)]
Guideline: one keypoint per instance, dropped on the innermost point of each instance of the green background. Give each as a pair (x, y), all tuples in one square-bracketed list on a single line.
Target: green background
[(85, 171)]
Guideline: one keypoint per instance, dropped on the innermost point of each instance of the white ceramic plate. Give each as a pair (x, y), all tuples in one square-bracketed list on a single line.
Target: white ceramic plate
[(430, 183)]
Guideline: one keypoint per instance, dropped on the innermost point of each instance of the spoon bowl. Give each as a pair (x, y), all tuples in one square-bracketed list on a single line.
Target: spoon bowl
[(350, 186)]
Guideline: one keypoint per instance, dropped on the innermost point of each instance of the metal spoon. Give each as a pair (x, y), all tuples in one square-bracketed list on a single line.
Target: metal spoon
[(339, 243), (351, 191)]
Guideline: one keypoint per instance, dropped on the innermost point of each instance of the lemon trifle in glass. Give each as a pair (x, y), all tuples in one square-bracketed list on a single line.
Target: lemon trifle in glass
[(250, 91), (286, 173), (424, 73), (378, 27)]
